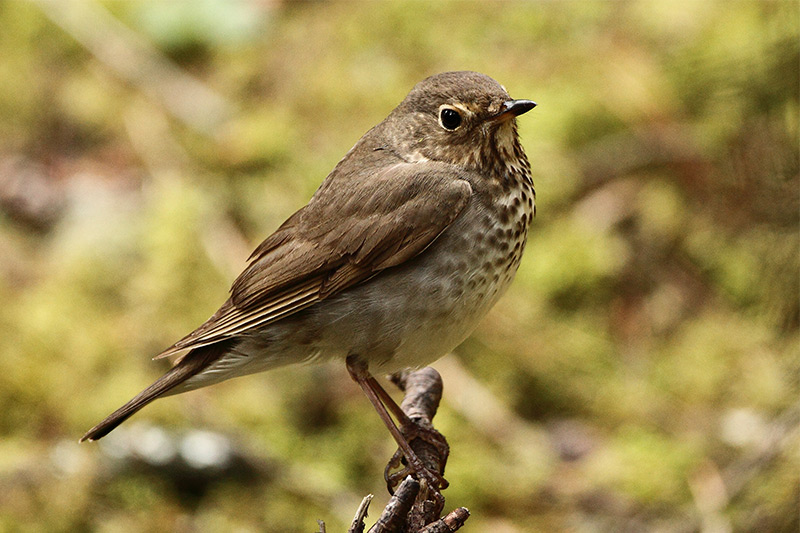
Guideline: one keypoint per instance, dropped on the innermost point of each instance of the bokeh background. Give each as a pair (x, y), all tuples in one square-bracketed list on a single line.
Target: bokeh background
[(640, 375)]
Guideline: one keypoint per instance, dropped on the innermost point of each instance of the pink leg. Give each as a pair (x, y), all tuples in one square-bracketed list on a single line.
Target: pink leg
[(377, 396)]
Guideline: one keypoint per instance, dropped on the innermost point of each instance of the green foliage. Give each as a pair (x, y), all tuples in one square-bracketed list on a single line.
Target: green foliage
[(646, 355)]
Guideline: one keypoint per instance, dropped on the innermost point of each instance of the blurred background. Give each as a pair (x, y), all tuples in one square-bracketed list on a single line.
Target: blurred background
[(642, 373)]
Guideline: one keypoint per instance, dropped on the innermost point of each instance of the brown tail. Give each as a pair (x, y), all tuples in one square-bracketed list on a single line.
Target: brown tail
[(191, 364)]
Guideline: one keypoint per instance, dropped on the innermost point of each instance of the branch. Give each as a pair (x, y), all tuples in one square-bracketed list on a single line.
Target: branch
[(414, 507), (394, 516)]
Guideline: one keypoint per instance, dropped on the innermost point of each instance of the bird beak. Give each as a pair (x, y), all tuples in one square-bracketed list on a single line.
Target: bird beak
[(513, 108)]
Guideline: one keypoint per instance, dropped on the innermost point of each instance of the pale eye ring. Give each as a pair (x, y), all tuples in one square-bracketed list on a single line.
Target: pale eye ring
[(449, 118)]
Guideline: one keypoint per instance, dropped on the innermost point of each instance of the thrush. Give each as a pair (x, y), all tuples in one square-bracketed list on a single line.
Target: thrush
[(405, 246)]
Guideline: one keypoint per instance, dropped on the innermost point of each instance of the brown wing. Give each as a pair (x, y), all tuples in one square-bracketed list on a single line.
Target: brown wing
[(345, 235)]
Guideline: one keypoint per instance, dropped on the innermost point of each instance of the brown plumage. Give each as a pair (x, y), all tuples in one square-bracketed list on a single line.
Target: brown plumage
[(404, 247)]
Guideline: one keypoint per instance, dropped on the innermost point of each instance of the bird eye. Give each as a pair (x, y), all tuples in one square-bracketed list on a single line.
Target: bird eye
[(449, 118)]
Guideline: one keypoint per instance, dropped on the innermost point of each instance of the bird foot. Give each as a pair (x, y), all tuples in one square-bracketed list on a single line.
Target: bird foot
[(427, 443)]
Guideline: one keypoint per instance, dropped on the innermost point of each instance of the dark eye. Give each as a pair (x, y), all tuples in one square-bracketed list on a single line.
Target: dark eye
[(450, 118)]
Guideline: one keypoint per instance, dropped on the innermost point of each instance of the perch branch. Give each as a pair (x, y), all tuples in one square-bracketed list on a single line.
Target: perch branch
[(415, 507)]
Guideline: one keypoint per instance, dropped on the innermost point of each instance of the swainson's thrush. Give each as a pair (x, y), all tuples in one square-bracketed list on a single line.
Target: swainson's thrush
[(404, 247)]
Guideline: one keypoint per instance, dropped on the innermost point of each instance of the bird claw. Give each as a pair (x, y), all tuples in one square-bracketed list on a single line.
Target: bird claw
[(393, 479), (437, 445)]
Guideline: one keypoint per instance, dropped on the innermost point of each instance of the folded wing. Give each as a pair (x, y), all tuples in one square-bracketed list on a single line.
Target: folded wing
[(344, 236)]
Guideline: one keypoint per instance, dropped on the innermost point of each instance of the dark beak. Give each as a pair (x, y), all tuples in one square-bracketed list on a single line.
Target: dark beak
[(513, 108)]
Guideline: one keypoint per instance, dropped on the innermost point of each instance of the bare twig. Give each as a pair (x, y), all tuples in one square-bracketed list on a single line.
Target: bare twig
[(415, 506), (452, 522), (423, 392), (361, 513), (394, 516)]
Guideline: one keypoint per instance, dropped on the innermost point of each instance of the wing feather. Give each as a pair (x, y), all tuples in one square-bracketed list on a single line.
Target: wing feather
[(336, 241)]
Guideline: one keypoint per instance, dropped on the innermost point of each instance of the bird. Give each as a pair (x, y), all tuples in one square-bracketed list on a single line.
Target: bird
[(404, 247)]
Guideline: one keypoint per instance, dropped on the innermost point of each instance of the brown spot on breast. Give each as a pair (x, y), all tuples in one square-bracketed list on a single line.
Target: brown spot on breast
[(505, 216)]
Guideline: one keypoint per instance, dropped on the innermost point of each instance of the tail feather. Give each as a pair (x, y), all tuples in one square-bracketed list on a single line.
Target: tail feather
[(190, 365)]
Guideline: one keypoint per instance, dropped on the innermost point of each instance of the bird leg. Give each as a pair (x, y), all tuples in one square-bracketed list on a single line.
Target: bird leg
[(383, 403), (411, 429), (402, 418)]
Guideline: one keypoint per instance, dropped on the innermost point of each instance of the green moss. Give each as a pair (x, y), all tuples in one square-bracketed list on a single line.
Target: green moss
[(658, 291)]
